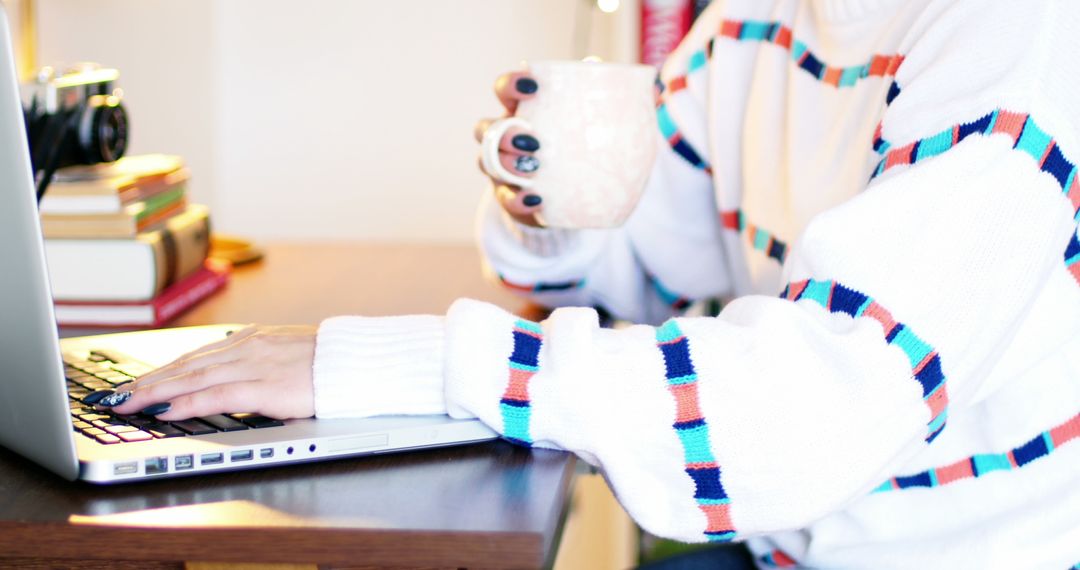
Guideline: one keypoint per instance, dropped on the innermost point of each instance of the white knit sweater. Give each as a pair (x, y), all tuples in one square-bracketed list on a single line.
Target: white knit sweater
[(888, 191)]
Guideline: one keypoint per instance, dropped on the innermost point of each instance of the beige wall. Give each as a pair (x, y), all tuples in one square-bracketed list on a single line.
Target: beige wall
[(325, 119)]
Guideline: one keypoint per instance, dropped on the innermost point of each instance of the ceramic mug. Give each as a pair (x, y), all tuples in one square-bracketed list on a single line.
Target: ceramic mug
[(596, 123)]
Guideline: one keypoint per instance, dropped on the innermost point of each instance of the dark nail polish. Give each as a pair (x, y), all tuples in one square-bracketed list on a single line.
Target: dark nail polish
[(114, 399), (532, 200), (526, 86), (526, 164), (526, 143), (96, 396), (156, 409)]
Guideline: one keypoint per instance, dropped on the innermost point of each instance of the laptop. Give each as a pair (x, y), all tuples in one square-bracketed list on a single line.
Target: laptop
[(41, 416)]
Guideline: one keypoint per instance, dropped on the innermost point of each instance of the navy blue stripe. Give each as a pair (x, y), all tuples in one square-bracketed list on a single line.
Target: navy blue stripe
[(1057, 165), (1030, 451), (1073, 248), (933, 436), (557, 286), (687, 152), (526, 349), (895, 331), (845, 300), (677, 358), (812, 65), (894, 90), (777, 250), (707, 483), (689, 424), (919, 480), (517, 441), (515, 403), (974, 467), (931, 375), (976, 127)]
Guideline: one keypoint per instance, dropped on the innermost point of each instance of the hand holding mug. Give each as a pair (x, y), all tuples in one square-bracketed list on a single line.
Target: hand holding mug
[(590, 129)]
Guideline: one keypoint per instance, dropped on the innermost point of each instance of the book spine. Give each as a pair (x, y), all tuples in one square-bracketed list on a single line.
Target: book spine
[(180, 299), (663, 25), (180, 246)]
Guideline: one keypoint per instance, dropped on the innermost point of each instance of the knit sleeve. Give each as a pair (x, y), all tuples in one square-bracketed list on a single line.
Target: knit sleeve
[(639, 271), (899, 306)]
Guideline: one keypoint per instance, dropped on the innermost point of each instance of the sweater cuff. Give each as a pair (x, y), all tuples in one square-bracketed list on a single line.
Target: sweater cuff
[(543, 242), (371, 366)]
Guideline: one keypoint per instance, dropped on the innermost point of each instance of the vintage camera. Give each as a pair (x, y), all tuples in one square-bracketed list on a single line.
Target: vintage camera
[(74, 118)]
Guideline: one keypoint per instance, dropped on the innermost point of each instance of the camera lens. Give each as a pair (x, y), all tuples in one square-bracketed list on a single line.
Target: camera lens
[(106, 138)]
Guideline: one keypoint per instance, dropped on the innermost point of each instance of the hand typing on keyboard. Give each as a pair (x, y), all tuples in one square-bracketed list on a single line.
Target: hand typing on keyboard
[(261, 369)]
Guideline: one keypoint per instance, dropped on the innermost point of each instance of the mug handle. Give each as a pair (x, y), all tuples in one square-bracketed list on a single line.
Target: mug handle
[(489, 151)]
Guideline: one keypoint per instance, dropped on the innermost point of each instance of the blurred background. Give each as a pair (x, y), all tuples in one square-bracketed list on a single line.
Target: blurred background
[(323, 120)]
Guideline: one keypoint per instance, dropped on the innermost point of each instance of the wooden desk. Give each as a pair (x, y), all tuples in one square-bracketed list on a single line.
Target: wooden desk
[(488, 505)]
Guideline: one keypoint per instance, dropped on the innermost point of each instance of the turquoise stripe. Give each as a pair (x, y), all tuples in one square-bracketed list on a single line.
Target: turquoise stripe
[(993, 122), (938, 422), (850, 75), (524, 367), (934, 391), (886, 486), (753, 30), (742, 221), (1069, 181), (935, 145), (1072, 260), (818, 291), (724, 501), (668, 331), (529, 326), (516, 421), (862, 309), (697, 61), (933, 478), (990, 462), (1049, 441), (1033, 140), (695, 442), (726, 537), (682, 380), (667, 125), (761, 240), (797, 50), (884, 148), (912, 345)]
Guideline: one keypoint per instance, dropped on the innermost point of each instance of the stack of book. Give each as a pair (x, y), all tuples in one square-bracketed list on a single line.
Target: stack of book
[(124, 247)]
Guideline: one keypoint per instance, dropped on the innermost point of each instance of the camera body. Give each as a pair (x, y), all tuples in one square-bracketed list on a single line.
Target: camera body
[(74, 118)]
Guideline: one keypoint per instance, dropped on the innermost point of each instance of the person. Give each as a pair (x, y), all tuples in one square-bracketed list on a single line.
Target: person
[(887, 194)]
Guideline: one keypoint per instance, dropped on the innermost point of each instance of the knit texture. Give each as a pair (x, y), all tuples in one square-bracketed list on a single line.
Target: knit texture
[(886, 193)]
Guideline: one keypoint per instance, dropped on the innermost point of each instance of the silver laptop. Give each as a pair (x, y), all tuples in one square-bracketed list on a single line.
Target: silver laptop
[(40, 415)]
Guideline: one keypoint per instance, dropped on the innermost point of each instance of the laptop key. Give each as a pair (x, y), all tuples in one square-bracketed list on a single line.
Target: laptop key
[(81, 425), (93, 416), (162, 430), (135, 436), (224, 423), (256, 421), (97, 385), (117, 430), (107, 438), (93, 431), (194, 427)]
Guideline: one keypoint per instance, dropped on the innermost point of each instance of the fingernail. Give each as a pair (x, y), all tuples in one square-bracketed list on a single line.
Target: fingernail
[(96, 396), (114, 399), (156, 409), (531, 200), (526, 143), (526, 86), (526, 164)]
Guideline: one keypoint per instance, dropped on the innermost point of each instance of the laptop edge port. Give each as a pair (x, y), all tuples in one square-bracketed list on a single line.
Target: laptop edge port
[(125, 468), (244, 455), (211, 459), (183, 462), (156, 465)]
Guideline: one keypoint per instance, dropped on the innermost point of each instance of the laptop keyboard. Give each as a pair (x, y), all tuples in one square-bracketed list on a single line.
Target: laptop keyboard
[(106, 370)]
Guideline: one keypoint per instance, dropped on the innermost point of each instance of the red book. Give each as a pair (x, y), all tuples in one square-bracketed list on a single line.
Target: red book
[(663, 25), (175, 299)]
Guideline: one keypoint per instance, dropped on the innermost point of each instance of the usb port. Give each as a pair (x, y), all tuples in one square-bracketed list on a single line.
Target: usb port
[(183, 462), (244, 455), (266, 452), (211, 459), (155, 465), (125, 468)]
